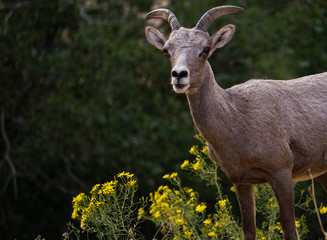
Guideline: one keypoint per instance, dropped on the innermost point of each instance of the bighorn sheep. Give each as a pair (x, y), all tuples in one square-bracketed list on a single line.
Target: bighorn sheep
[(259, 131)]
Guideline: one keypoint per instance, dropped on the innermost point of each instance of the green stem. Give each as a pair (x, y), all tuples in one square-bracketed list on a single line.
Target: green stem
[(220, 196), (271, 222), (121, 212)]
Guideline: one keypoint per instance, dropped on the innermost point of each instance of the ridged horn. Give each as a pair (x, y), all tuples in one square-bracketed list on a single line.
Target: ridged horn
[(166, 15), (211, 15)]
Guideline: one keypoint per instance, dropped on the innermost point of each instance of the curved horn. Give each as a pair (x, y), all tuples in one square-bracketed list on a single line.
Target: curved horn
[(214, 13), (166, 15)]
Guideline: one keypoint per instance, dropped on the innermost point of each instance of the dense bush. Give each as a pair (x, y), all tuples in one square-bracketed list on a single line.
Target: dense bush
[(110, 209)]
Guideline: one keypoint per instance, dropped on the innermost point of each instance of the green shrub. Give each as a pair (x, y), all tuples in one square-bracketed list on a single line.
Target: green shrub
[(109, 209), (111, 212)]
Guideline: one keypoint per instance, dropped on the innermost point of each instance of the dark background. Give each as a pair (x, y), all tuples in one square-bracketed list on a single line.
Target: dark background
[(83, 96)]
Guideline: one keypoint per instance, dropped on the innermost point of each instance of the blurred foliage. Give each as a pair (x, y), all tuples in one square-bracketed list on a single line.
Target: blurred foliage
[(84, 96)]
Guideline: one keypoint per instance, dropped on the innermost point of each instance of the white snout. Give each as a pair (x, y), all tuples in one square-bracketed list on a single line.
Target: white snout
[(181, 88), (180, 79)]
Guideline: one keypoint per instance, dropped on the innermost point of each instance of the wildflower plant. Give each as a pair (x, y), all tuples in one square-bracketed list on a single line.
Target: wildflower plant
[(180, 215), (203, 166), (267, 207), (222, 223), (178, 212), (109, 209)]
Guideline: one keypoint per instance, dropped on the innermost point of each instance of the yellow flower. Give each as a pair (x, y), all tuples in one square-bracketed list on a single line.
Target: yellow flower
[(201, 207), (297, 224), (166, 176), (156, 214), (212, 234), (207, 222), (171, 176), (197, 165), (162, 188), (177, 192), (140, 214), (185, 164), (78, 204), (204, 149), (180, 221), (188, 234), (278, 227), (79, 198), (109, 187), (95, 188), (191, 193), (83, 221), (219, 224), (323, 210), (131, 183), (91, 208), (125, 174), (164, 205), (75, 214), (193, 150), (232, 189), (271, 203), (222, 203)]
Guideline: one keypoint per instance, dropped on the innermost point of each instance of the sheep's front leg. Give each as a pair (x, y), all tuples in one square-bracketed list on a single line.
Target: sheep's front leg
[(246, 200), (282, 185)]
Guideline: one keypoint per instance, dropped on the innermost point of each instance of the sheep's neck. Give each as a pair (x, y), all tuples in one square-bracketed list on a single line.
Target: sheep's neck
[(212, 110)]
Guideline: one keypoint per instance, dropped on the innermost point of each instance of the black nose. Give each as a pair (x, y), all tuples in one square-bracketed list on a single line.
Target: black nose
[(180, 74)]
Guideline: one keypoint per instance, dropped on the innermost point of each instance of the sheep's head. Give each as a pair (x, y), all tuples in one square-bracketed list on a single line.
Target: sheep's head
[(189, 49)]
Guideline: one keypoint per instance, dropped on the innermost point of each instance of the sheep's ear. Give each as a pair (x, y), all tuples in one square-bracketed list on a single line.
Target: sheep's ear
[(155, 37), (222, 37)]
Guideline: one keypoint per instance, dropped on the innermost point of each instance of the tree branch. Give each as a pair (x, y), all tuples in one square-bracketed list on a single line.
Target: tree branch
[(313, 196), (7, 153), (84, 15), (72, 175), (7, 7), (6, 21)]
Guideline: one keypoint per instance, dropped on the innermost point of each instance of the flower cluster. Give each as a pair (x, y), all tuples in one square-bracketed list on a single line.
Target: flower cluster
[(173, 177), (222, 224), (199, 163), (108, 209), (203, 166), (177, 211), (272, 203), (268, 207), (323, 210), (181, 216), (80, 202)]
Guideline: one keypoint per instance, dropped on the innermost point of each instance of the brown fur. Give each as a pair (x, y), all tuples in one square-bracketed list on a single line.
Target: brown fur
[(261, 131)]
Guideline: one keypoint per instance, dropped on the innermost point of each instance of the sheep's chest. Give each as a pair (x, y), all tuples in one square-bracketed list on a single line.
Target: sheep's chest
[(239, 171)]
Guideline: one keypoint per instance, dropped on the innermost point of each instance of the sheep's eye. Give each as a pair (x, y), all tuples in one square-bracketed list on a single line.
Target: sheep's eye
[(165, 51), (206, 50)]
